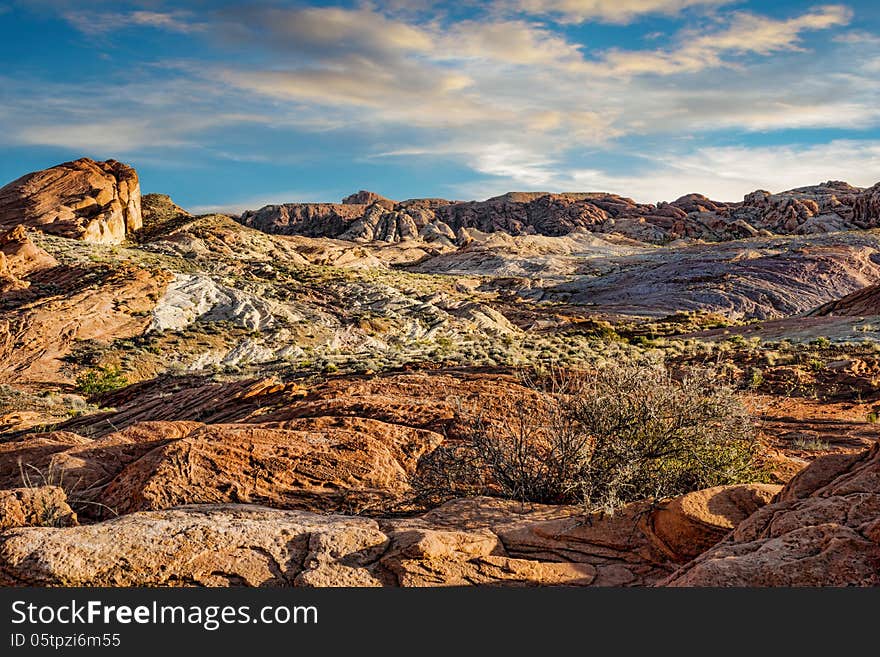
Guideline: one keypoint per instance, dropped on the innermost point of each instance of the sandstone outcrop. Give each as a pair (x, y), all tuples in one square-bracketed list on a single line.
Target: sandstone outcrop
[(861, 303), (41, 506), (68, 304), (477, 541), (84, 199), (823, 529), (19, 257), (321, 464), (443, 402)]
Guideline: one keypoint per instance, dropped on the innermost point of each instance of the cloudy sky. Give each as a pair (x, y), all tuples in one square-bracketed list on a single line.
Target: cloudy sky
[(238, 104)]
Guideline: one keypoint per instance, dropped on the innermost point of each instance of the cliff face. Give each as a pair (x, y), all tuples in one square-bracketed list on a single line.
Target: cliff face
[(84, 199)]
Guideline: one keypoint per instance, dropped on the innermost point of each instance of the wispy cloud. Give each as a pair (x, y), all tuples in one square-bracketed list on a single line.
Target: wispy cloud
[(746, 34), (100, 22), (609, 11), (508, 93)]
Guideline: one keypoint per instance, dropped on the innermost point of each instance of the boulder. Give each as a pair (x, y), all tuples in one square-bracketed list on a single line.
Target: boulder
[(196, 546), (84, 199), (40, 506), (691, 524), (320, 464), (823, 529)]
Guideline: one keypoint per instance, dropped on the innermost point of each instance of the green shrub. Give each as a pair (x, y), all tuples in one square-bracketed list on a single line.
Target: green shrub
[(99, 380), (621, 434)]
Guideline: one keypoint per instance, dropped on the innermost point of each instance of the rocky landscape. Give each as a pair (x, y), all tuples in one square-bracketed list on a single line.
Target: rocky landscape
[(275, 398)]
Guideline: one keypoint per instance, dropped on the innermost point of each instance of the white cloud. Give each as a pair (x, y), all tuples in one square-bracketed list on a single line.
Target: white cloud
[(746, 33), (516, 100), (111, 136), (325, 32), (722, 173), (101, 22), (509, 42), (609, 11)]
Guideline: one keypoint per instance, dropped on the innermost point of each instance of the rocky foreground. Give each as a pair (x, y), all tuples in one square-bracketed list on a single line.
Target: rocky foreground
[(821, 529), (265, 497), (255, 400)]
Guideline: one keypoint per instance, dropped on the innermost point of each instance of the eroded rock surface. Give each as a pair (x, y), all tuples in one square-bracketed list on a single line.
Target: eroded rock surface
[(84, 199), (35, 506), (823, 529), (478, 541)]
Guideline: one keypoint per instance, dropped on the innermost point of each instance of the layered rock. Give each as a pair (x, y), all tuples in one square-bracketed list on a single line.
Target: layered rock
[(69, 304), (823, 529), (322, 464), (866, 207), (19, 257), (478, 541), (84, 199), (861, 303), (190, 297)]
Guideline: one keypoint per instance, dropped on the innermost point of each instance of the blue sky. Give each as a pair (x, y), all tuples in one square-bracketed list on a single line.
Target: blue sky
[(237, 104)]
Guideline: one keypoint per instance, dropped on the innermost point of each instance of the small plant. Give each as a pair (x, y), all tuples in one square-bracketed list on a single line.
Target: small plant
[(810, 444), (54, 514), (99, 380), (873, 417), (822, 342), (756, 379)]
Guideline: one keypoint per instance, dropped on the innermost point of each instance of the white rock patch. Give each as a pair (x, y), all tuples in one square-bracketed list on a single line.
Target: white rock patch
[(196, 296)]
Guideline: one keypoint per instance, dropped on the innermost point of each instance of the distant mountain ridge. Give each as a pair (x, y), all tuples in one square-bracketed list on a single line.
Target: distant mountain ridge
[(367, 216)]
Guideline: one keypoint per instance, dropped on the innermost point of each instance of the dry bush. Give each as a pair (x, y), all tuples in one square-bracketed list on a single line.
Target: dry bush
[(616, 435)]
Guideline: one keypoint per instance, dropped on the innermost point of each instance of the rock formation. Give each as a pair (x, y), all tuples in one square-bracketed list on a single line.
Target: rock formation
[(465, 542), (366, 216), (823, 529), (37, 506), (85, 200), (19, 257)]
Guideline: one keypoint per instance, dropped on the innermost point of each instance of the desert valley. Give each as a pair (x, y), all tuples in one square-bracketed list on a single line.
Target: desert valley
[(536, 389)]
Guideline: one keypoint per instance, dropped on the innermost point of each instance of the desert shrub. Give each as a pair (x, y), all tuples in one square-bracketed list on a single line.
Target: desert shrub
[(619, 434), (100, 380)]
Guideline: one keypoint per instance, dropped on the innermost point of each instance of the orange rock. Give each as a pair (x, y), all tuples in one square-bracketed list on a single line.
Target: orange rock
[(477, 541), (39, 506), (822, 530), (83, 199), (327, 464), (689, 525)]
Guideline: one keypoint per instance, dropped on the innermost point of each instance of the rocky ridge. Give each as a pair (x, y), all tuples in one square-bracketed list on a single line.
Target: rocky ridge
[(366, 216)]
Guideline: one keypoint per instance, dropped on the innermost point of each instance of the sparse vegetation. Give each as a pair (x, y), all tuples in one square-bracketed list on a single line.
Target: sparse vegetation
[(620, 434), (810, 444), (100, 380)]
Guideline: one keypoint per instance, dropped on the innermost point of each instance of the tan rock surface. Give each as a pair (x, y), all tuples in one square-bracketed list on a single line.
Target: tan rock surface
[(691, 524), (476, 541), (38, 506), (83, 199), (822, 530), (36, 335)]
